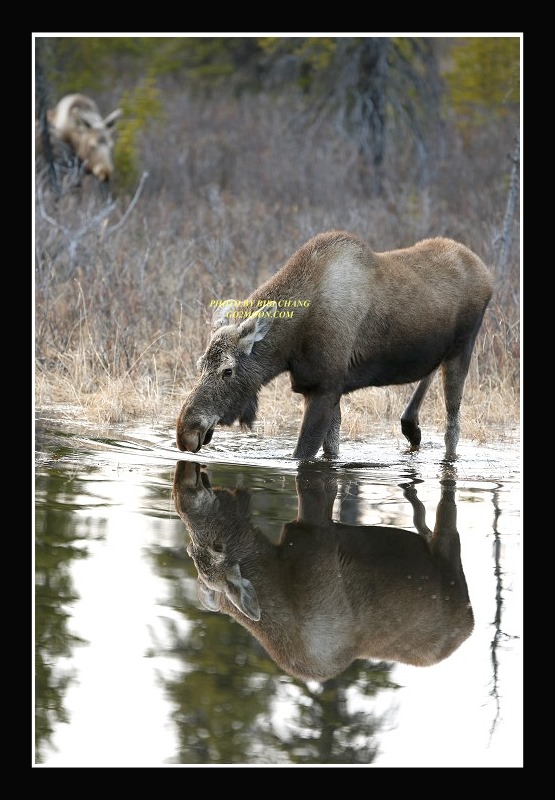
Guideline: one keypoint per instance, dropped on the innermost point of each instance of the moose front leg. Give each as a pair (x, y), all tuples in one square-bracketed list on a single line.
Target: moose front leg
[(331, 439), (320, 426)]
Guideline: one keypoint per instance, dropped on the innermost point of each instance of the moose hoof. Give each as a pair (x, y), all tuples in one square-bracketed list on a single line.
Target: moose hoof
[(412, 432)]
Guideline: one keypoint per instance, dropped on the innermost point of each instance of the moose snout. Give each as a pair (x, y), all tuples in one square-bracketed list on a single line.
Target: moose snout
[(102, 172), (189, 475), (189, 442), (191, 437)]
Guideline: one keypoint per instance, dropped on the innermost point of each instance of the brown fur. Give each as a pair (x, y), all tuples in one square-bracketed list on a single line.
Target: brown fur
[(77, 122), (329, 593), (371, 319)]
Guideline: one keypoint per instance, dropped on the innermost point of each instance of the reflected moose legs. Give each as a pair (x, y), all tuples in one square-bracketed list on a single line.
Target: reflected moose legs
[(328, 593)]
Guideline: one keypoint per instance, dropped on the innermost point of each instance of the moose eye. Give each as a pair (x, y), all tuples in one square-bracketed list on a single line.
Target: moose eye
[(227, 372)]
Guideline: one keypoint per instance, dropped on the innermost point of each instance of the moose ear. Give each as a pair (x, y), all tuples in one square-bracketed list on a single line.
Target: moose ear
[(209, 598), (219, 316), (255, 327), (111, 119), (242, 593)]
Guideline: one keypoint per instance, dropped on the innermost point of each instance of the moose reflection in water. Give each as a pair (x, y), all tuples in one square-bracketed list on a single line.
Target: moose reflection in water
[(328, 593)]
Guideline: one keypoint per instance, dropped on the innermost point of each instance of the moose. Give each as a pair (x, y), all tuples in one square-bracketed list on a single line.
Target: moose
[(76, 122), (339, 317), (328, 593)]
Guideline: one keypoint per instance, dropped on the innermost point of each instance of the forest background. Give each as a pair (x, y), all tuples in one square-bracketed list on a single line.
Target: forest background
[(230, 153)]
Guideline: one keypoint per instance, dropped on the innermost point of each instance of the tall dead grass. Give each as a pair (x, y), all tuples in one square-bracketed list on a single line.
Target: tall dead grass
[(122, 311)]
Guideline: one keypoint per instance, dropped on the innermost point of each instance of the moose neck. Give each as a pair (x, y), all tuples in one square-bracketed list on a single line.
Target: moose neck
[(272, 355)]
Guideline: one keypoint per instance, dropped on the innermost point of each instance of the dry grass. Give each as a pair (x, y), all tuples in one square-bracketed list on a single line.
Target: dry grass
[(491, 404), (121, 313)]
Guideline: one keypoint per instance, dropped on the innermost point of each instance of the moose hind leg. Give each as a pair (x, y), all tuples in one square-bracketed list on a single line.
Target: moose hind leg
[(418, 511), (454, 374), (409, 421)]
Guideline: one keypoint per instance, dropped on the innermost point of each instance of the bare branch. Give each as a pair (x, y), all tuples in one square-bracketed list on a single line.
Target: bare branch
[(130, 207), (74, 236)]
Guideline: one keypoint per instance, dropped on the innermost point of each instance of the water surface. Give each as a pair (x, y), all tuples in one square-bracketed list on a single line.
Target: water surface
[(132, 669)]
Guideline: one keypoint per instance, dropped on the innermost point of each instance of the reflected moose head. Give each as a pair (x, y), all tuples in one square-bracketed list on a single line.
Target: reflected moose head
[(328, 593)]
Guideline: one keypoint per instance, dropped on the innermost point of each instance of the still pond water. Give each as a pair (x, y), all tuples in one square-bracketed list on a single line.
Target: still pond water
[(372, 615)]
